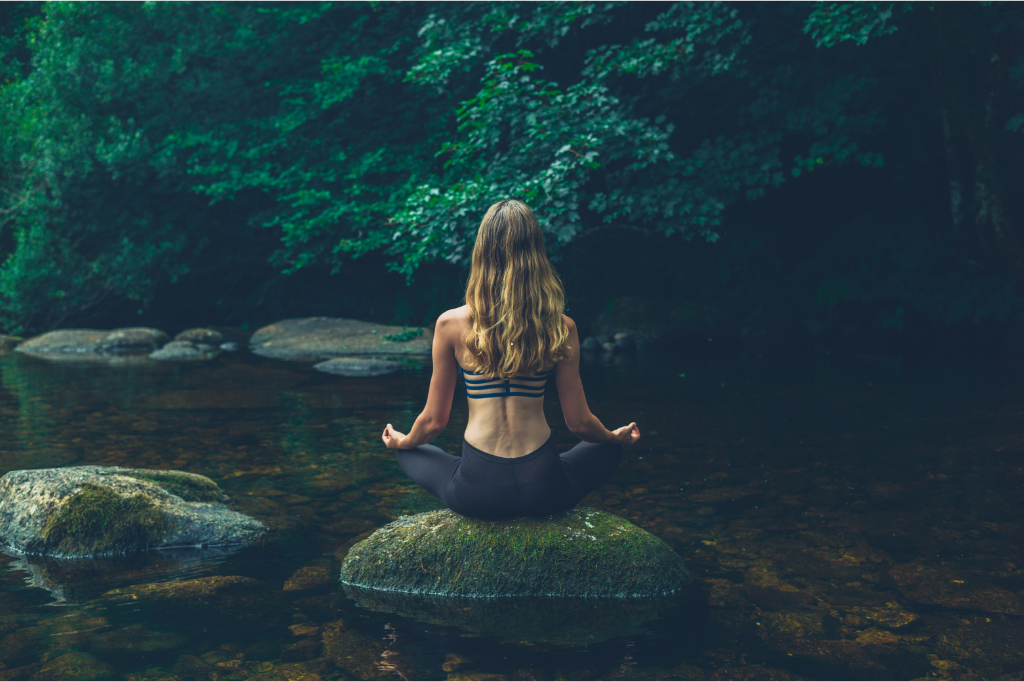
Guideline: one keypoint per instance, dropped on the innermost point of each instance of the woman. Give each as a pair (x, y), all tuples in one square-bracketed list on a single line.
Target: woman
[(506, 342)]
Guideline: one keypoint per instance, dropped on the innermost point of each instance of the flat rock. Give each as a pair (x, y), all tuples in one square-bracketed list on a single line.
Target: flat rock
[(185, 351), (96, 510), (94, 342), (322, 338), (210, 337), (581, 553), (225, 596), (954, 589), (359, 367), (8, 342)]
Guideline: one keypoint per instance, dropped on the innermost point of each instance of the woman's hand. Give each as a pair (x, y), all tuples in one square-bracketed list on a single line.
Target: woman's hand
[(391, 437), (626, 435)]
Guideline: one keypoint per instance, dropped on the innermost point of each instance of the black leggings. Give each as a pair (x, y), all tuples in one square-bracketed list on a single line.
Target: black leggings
[(488, 487)]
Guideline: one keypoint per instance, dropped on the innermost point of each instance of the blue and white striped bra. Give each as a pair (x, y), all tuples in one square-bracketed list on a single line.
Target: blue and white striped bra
[(530, 387)]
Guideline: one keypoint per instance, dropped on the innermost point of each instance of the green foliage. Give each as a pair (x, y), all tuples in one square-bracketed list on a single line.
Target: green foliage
[(831, 23), (96, 520), (148, 143), (405, 335)]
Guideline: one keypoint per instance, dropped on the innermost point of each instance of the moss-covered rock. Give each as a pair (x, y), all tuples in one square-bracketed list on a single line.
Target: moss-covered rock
[(94, 511), (582, 553)]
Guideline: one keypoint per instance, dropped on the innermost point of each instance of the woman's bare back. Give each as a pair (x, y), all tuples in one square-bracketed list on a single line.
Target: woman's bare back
[(509, 426)]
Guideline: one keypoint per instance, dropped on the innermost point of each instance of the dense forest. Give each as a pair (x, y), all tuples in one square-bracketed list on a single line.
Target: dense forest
[(826, 174)]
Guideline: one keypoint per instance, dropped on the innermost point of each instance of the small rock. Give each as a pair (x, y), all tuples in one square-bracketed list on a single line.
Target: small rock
[(601, 339), (608, 347), (189, 667), (358, 367), (302, 650), (590, 344), (135, 639), (308, 578), (185, 351), (624, 341), (229, 346), (453, 662), (304, 630), (201, 335), (945, 587), (8, 342)]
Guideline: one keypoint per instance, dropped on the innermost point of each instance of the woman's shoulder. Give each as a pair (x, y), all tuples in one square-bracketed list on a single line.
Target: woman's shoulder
[(455, 315), (452, 321)]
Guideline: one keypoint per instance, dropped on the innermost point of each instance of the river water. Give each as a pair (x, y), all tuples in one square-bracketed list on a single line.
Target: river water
[(854, 518)]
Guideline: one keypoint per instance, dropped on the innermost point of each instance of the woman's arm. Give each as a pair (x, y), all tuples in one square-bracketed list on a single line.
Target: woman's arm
[(578, 417), (434, 417)]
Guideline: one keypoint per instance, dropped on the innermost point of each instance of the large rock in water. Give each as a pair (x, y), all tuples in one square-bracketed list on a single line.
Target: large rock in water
[(93, 343), (96, 510), (321, 338), (582, 553)]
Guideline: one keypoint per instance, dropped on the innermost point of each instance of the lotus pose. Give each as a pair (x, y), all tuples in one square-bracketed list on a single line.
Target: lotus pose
[(507, 342)]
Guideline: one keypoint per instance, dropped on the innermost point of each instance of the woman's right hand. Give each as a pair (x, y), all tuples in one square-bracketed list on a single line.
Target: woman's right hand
[(626, 435)]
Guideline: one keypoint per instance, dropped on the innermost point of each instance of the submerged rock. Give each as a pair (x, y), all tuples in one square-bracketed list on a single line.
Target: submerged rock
[(359, 367), (96, 510), (952, 589), (76, 666), (321, 338), (224, 596), (86, 343), (185, 350), (582, 553)]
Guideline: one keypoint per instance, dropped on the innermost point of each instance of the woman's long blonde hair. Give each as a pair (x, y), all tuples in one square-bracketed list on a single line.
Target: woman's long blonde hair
[(515, 297)]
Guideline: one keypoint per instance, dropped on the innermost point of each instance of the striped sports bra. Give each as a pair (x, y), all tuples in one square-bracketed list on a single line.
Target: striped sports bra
[(531, 386)]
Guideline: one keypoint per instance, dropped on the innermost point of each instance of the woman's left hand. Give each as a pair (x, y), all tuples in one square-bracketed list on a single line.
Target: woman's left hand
[(391, 437)]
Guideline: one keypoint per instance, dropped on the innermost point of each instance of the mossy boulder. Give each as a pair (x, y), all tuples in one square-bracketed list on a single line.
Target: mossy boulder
[(582, 553), (95, 511), (322, 338)]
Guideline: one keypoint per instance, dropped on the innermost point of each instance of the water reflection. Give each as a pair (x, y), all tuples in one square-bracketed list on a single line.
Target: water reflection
[(545, 620), (80, 580), (843, 519)]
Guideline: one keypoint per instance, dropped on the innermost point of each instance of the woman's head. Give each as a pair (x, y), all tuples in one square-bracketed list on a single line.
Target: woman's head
[(514, 296)]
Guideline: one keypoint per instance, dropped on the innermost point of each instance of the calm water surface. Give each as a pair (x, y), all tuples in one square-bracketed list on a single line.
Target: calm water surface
[(844, 519)]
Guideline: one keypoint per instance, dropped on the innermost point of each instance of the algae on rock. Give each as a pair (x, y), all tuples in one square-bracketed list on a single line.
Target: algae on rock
[(96, 520), (581, 553), (89, 511)]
